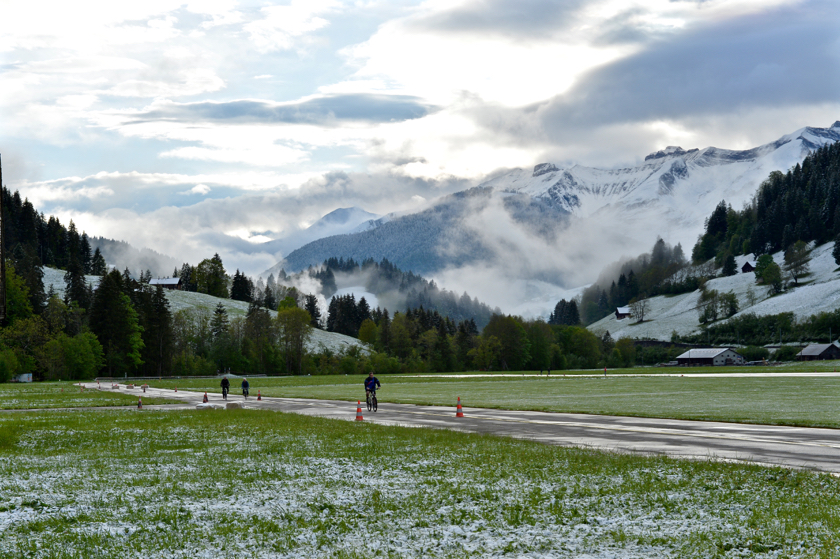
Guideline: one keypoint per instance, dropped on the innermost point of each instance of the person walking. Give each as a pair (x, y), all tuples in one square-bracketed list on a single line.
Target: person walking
[(245, 387), (225, 387)]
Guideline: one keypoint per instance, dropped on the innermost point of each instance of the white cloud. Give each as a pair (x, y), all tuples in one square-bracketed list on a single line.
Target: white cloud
[(283, 27), (199, 189)]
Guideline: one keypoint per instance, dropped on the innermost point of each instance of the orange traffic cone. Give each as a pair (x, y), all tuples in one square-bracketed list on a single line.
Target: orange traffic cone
[(460, 411), (176, 389), (139, 403), (359, 412), (259, 395), (205, 398)]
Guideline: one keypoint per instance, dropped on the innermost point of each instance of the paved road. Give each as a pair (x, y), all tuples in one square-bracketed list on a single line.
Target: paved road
[(799, 447)]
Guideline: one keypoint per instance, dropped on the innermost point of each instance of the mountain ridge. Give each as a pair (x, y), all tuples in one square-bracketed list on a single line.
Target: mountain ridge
[(578, 218)]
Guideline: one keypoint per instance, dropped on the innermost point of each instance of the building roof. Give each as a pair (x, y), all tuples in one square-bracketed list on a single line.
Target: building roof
[(703, 353), (623, 310), (815, 349), (165, 281)]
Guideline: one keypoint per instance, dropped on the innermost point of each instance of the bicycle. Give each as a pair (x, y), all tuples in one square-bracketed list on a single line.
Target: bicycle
[(224, 393), (372, 404)]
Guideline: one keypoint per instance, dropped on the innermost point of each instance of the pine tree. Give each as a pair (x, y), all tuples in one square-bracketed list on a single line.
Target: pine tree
[(730, 267), (84, 254), (241, 288), (98, 267), (75, 285), (219, 323), (835, 252), (116, 325), (385, 331), (313, 310), (30, 270)]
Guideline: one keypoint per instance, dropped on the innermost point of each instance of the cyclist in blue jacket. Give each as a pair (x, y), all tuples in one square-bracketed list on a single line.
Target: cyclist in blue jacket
[(371, 384)]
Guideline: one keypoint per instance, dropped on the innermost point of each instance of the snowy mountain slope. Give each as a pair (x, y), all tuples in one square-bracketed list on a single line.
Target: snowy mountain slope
[(435, 238), (517, 240), (679, 313), (337, 222), (674, 188), (186, 300)]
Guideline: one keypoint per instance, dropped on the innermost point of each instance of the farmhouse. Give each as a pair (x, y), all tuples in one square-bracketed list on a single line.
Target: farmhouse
[(816, 352), (713, 356), (747, 268), (166, 283), (622, 312)]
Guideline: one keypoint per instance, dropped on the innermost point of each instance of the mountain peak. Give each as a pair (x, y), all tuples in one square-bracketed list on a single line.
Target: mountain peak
[(543, 168), (343, 215), (670, 150), (836, 124)]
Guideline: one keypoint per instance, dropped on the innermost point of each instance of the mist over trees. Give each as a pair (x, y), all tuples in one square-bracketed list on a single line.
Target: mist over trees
[(647, 275)]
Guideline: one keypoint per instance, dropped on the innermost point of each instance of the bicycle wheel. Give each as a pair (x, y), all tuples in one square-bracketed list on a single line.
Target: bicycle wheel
[(369, 404), (374, 402)]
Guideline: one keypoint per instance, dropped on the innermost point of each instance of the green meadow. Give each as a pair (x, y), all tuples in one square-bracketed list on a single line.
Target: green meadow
[(247, 483), (51, 395), (806, 401)]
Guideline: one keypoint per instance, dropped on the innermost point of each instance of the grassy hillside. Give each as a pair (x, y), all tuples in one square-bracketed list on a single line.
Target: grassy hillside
[(187, 300), (818, 292)]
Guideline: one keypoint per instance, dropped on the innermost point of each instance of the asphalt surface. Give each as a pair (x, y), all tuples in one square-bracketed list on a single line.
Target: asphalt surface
[(797, 447)]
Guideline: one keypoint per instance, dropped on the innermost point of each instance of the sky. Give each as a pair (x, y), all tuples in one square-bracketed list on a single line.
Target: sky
[(212, 126)]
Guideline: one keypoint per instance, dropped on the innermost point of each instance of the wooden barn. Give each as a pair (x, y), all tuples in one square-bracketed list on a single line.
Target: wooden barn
[(622, 312), (166, 283), (747, 268), (710, 357), (819, 352)]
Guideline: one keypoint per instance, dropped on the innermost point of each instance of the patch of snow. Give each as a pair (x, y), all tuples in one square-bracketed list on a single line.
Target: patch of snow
[(668, 314), (200, 302)]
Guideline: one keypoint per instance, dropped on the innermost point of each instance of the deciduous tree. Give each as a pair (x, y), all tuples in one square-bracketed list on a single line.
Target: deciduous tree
[(797, 260)]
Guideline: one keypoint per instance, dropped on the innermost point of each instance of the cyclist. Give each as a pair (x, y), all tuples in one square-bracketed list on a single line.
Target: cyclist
[(371, 384), (245, 387), (225, 387)]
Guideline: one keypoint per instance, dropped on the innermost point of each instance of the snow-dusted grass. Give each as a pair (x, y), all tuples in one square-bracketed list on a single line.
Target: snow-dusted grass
[(679, 313), (807, 401), (42, 395), (258, 484), (200, 302)]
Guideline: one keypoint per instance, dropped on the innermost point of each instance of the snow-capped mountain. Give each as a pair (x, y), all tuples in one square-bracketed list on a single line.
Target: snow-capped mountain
[(436, 238), (675, 188), (337, 222), (513, 240)]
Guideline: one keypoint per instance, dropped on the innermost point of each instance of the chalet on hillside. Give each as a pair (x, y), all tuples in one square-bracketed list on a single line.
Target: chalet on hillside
[(710, 357), (747, 268), (166, 283), (622, 312), (819, 352)]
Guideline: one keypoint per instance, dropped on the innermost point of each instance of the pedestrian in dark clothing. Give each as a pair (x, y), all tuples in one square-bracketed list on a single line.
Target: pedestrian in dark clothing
[(225, 387), (245, 387)]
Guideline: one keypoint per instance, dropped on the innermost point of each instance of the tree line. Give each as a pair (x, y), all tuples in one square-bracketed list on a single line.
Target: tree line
[(647, 275), (800, 205)]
